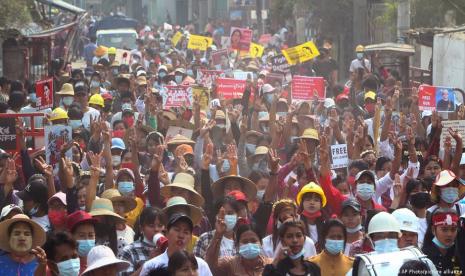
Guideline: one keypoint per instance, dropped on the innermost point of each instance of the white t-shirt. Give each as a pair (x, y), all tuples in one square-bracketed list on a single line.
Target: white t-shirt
[(43, 221), (267, 247), (356, 63), (124, 237), (313, 232), (162, 261), (86, 118), (421, 235)]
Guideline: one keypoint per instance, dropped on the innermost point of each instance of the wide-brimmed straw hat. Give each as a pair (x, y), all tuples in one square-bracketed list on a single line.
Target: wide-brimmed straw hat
[(101, 256), (104, 207), (115, 196), (184, 181), (179, 140), (248, 187), (38, 233), (178, 204)]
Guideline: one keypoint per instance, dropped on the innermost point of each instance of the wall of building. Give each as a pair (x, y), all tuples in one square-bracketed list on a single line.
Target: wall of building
[(449, 60)]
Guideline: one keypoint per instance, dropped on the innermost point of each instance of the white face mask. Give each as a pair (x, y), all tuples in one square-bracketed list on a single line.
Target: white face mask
[(260, 194), (115, 160), (365, 191)]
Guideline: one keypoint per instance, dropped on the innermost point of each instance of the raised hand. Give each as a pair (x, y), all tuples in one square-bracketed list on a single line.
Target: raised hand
[(410, 136), (455, 134), (163, 175), (243, 126), (10, 172), (207, 128), (220, 225), (207, 157), (232, 153), (40, 255), (157, 158), (182, 163), (67, 167), (43, 166), (273, 161)]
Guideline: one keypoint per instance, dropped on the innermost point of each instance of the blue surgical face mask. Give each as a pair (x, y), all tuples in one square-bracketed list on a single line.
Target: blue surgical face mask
[(386, 245), (250, 148), (33, 97), (282, 114), (33, 211), (298, 255), (262, 114), (365, 191), (190, 72), (334, 246), (226, 166), (68, 100), (178, 79), (94, 84), (84, 246), (75, 124), (260, 194), (69, 267), (355, 229), (440, 244), (126, 106), (249, 250), (450, 194), (359, 55), (125, 187), (162, 74), (230, 221)]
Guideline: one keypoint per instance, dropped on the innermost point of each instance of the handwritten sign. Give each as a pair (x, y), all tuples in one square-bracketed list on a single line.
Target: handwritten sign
[(301, 53), (44, 92), (240, 39), (230, 88), (176, 96), (8, 133), (279, 64), (339, 156), (307, 88), (198, 42), (458, 125)]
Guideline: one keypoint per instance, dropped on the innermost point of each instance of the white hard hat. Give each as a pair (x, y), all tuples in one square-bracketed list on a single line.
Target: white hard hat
[(329, 103), (407, 219), (383, 222)]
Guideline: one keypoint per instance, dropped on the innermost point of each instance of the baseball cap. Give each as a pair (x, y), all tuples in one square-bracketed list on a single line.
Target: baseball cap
[(60, 196), (352, 203), (36, 190), (370, 95), (78, 217), (7, 210), (117, 143), (178, 217), (365, 172)]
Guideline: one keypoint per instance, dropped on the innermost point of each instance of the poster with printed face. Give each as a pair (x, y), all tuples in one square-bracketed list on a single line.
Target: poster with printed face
[(44, 92), (8, 134), (240, 39), (220, 59), (203, 95), (301, 53), (308, 88), (230, 88), (198, 42), (256, 50), (207, 77), (177, 96), (441, 99), (55, 137)]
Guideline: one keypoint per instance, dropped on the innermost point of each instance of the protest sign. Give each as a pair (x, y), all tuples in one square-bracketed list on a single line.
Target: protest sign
[(123, 56), (274, 79), (301, 53), (203, 94), (167, 27), (55, 137), (256, 50), (242, 75), (175, 130), (441, 99), (176, 96), (220, 59), (339, 156), (230, 88), (279, 64), (307, 88), (8, 133), (240, 39), (44, 92), (198, 42), (175, 39), (207, 77), (458, 125), (264, 39)]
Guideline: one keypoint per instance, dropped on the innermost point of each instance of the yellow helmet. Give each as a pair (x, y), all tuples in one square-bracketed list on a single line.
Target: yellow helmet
[(359, 48), (96, 99), (311, 187), (58, 113), (112, 51)]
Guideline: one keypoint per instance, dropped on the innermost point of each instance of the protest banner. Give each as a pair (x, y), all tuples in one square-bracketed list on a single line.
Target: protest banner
[(339, 156), (203, 94), (175, 130), (175, 39), (230, 88), (198, 42), (207, 77), (240, 39), (307, 88), (176, 96), (256, 50), (242, 75), (301, 53), (441, 99), (44, 92), (458, 125), (279, 64), (55, 137), (8, 134), (220, 59)]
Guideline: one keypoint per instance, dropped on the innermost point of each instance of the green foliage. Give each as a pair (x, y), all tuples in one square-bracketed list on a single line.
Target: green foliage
[(389, 17), (430, 13), (281, 10), (14, 13)]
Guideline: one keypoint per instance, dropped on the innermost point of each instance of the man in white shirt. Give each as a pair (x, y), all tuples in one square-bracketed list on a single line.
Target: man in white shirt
[(179, 234), (360, 61)]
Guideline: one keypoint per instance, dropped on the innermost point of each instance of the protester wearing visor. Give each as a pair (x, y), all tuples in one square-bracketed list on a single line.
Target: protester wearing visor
[(66, 95), (446, 191)]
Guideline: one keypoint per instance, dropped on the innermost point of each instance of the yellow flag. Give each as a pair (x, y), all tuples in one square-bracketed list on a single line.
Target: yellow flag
[(256, 50), (198, 42), (301, 53), (175, 40)]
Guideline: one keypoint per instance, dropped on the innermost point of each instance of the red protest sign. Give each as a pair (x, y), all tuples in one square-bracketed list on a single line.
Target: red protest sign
[(306, 88), (441, 99), (427, 97), (44, 92), (177, 96), (240, 39), (230, 88), (207, 77)]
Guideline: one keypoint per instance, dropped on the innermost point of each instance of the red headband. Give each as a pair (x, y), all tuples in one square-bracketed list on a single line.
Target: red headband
[(445, 219)]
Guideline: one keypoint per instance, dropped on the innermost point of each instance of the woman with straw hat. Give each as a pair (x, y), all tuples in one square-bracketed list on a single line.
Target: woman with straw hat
[(102, 261), (21, 240)]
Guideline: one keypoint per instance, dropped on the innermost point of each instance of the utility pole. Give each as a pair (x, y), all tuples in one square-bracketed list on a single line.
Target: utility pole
[(259, 17)]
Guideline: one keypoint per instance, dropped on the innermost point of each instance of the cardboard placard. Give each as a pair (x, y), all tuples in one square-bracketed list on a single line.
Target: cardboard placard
[(240, 39), (55, 137), (220, 59), (175, 130), (198, 42), (8, 134), (441, 99), (279, 64), (176, 96), (123, 56), (230, 88), (44, 92), (307, 88), (203, 94), (339, 156), (207, 77), (458, 125), (301, 53), (176, 38), (256, 50)]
